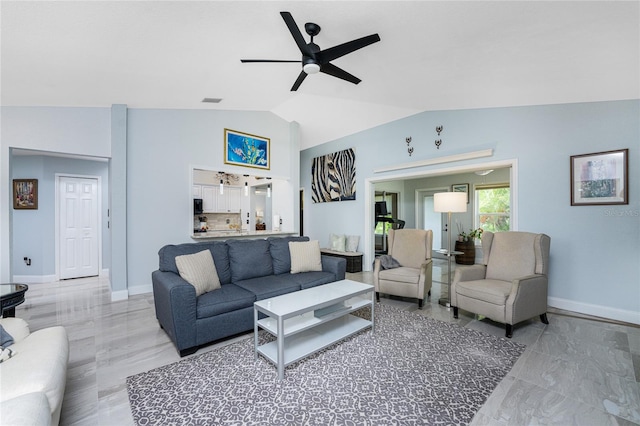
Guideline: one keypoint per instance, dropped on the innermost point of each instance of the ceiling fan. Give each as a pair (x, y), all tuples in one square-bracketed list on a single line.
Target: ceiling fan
[(315, 60)]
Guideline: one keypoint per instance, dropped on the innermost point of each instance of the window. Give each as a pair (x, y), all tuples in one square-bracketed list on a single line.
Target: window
[(492, 207)]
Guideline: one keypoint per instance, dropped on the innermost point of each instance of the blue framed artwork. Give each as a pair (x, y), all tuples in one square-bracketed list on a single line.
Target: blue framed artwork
[(243, 149)]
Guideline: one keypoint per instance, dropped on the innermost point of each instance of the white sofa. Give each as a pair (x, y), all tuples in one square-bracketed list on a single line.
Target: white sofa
[(32, 382)]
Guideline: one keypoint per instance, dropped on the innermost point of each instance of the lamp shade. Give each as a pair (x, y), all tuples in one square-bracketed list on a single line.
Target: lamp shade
[(455, 202)]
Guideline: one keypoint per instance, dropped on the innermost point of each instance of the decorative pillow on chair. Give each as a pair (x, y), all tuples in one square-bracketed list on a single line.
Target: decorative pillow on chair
[(352, 243), (337, 242), (305, 256), (199, 270)]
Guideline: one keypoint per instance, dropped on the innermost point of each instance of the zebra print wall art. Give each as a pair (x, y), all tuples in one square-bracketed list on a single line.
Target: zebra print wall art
[(333, 177)]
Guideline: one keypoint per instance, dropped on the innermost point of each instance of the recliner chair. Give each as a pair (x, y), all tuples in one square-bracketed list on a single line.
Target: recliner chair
[(412, 249), (510, 285)]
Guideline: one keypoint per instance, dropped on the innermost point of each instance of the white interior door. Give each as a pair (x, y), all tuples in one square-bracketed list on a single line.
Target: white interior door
[(78, 227)]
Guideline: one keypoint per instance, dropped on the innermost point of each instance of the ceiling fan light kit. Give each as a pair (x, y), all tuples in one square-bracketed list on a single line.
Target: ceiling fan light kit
[(311, 68), (315, 60)]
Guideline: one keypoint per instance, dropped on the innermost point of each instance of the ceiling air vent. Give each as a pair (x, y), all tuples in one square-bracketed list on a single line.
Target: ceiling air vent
[(212, 100)]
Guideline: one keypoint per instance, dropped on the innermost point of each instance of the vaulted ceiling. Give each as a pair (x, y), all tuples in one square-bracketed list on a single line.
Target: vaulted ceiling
[(433, 55)]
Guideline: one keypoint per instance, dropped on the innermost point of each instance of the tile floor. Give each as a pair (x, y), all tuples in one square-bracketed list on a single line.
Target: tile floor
[(575, 370)]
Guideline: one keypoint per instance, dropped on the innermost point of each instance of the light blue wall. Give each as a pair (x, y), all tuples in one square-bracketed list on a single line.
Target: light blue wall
[(162, 146), (156, 153), (34, 230), (81, 131), (595, 250)]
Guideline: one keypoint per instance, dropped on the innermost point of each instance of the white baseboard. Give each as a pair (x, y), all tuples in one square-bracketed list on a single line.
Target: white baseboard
[(119, 295), (140, 289), (104, 273), (632, 317), (33, 279), (131, 291)]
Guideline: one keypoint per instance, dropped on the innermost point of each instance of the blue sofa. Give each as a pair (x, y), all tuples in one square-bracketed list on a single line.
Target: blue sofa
[(249, 270)]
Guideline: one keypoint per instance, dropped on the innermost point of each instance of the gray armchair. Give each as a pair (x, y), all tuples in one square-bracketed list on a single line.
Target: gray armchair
[(412, 249), (510, 285)]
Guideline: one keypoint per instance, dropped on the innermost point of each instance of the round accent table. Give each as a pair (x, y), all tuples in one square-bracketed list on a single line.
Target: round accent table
[(11, 295)]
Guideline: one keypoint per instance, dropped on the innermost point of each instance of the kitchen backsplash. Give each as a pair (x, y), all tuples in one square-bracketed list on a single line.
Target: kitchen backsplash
[(219, 221)]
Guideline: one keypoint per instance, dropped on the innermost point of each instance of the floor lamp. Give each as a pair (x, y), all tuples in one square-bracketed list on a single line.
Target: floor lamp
[(449, 202)]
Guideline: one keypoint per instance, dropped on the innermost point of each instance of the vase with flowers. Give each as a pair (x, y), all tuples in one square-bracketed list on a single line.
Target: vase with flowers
[(466, 244)]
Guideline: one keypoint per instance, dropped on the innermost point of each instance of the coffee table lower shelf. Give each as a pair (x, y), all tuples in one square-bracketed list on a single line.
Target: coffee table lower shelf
[(307, 342)]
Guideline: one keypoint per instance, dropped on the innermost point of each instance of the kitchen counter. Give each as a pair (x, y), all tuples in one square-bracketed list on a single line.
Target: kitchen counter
[(238, 234)]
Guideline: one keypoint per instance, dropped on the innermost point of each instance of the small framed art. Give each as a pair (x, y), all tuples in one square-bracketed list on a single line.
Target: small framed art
[(25, 194), (461, 187), (600, 178), (243, 149)]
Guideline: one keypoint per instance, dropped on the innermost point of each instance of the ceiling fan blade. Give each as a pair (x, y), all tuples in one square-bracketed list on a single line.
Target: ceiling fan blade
[(299, 81), (339, 72), (268, 60), (295, 32), (335, 52)]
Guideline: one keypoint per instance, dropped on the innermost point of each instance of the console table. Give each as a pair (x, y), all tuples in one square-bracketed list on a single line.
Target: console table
[(11, 295), (354, 258)]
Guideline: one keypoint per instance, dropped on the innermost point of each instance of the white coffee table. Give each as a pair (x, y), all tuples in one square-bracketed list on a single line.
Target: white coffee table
[(307, 321)]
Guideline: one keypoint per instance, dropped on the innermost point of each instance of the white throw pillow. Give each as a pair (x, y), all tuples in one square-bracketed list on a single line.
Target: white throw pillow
[(352, 242), (305, 256), (199, 270), (337, 242)]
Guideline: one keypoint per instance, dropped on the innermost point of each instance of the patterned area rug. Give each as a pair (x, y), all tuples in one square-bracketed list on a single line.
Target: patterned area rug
[(411, 370)]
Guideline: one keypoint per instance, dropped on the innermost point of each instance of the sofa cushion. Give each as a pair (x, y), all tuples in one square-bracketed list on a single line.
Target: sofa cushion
[(227, 298), (16, 327), (313, 279), (280, 256), (30, 409), (270, 286), (305, 256), (401, 274), (39, 366), (168, 253), (492, 291), (199, 270), (249, 259)]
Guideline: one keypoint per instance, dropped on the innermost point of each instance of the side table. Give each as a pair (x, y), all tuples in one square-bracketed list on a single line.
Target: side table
[(11, 295)]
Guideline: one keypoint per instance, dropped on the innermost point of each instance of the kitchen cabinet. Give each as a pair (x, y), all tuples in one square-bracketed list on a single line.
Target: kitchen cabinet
[(230, 201), (209, 198), (214, 202)]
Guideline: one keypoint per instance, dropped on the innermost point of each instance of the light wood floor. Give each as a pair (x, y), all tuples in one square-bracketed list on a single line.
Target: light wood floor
[(574, 371)]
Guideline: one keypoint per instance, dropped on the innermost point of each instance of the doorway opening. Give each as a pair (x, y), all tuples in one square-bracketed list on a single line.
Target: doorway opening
[(372, 184)]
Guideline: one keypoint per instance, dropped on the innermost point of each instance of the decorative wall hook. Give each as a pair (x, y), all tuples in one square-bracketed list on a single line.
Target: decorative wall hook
[(408, 140), (410, 150), (438, 143), (439, 129)]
